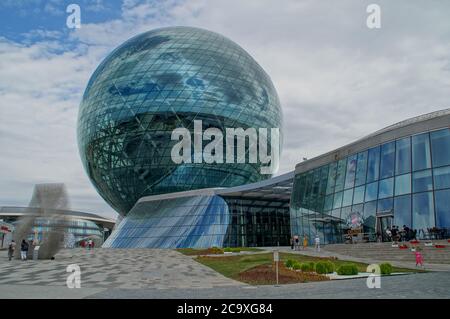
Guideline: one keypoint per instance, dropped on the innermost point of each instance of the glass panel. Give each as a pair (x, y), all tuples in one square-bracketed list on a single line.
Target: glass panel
[(373, 168), (403, 156), (337, 200), (402, 210), (340, 176), (421, 157), (422, 181), (440, 145), (331, 178), (385, 205), (387, 160), (442, 177), (358, 197), (386, 188), (348, 196), (370, 209), (403, 184), (423, 211), (328, 202), (371, 192), (350, 174), (361, 169), (443, 208)]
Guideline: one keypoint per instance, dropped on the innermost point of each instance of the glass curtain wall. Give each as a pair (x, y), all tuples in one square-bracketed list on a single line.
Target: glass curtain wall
[(408, 177)]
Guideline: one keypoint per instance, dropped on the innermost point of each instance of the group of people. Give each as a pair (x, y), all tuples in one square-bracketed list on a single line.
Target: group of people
[(395, 234), (24, 247), (87, 243), (295, 243)]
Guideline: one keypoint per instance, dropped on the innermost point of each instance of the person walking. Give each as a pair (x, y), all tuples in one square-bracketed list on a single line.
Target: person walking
[(292, 243), (305, 242), (90, 244), (317, 242), (296, 243), (24, 250), (419, 257), (11, 249)]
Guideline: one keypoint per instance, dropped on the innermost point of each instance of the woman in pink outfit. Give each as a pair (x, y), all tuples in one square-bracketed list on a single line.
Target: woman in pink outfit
[(419, 257)]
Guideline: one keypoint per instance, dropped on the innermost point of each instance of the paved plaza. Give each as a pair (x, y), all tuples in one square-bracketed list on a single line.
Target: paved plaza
[(154, 273)]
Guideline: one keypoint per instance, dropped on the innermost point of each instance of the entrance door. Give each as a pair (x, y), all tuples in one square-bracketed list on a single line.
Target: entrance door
[(384, 221)]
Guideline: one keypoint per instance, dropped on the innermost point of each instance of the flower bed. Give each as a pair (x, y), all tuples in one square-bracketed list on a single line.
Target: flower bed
[(439, 246)]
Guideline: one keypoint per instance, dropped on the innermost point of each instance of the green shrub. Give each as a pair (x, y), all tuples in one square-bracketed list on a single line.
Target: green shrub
[(386, 269), (296, 265), (307, 266), (324, 267), (289, 263), (347, 269), (312, 265)]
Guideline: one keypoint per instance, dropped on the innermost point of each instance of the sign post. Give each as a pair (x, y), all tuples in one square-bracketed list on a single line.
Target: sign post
[(276, 258)]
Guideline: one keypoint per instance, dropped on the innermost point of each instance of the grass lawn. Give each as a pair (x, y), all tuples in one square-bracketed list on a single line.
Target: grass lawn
[(236, 266), (208, 251)]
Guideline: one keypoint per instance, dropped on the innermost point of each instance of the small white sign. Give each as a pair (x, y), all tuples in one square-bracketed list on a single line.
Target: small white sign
[(276, 256)]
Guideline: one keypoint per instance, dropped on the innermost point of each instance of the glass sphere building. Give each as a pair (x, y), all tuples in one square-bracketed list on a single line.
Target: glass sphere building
[(158, 81)]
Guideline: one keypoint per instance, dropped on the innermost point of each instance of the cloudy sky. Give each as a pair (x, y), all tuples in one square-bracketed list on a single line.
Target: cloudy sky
[(337, 79)]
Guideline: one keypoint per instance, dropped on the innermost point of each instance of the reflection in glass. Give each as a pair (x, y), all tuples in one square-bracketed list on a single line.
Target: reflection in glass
[(402, 211), (442, 177), (423, 210), (421, 158), (337, 200), (403, 156), (440, 145), (348, 197), (361, 169), (422, 181), (386, 188), (340, 176), (358, 197), (371, 192), (443, 208), (402, 184), (350, 174), (373, 168), (387, 160), (331, 178)]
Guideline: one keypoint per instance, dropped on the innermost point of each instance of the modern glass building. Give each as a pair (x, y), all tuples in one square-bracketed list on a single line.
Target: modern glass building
[(397, 176), (159, 81), (251, 215)]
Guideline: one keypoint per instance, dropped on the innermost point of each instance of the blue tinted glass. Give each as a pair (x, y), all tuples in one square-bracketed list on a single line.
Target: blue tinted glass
[(421, 157), (337, 200), (441, 177), (358, 197), (423, 210), (403, 184), (403, 156), (373, 168), (370, 210), (385, 205), (328, 202), (331, 178), (440, 146), (348, 197), (387, 160), (402, 210), (350, 174), (443, 208), (386, 188), (361, 169), (340, 176), (422, 181), (371, 192)]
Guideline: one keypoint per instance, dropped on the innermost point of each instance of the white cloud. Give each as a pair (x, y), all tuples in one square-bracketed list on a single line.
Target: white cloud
[(337, 80)]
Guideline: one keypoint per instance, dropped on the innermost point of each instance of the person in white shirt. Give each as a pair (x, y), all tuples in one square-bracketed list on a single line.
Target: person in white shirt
[(317, 241)]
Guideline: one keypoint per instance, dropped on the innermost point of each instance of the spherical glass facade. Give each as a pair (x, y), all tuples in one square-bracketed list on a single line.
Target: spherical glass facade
[(158, 81)]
